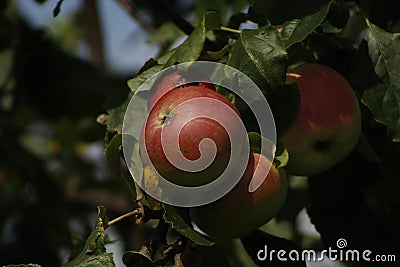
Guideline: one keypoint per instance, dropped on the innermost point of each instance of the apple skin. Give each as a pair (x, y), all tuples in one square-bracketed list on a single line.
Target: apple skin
[(328, 125), (168, 82), (241, 212), (171, 81), (164, 117)]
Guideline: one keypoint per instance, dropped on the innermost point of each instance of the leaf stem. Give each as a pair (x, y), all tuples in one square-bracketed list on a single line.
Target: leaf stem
[(222, 28), (126, 215)]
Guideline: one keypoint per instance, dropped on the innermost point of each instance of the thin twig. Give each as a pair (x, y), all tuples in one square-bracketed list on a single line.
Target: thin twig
[(126, 215), (222, 28), (135, 14), (93, 34)]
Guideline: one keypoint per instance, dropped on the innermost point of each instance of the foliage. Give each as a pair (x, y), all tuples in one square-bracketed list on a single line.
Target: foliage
[(49, 100)]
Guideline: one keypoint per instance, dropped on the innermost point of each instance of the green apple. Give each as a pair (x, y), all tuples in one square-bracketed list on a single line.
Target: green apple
[(328, 125), (243, 209)]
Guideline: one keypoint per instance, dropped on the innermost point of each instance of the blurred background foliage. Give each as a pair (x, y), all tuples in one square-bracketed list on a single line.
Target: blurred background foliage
[(54, 82), (58, 74)]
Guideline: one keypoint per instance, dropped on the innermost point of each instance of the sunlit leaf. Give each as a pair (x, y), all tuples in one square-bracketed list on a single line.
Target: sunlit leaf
[(192, 47)]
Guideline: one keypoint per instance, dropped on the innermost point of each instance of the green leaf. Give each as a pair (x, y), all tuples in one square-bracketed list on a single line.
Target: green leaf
[(168, 32), (256, 141), (281, 155), (297, 30), (178, 223), (162, 59), (116, 115), (188, 51), (139, 79), (282, 158), (192, 47), (203, 6), (260, 55), (277, 12), (113, 156), (112, 152), (216, 55), (383, 99), (94, 251), (134, 258)]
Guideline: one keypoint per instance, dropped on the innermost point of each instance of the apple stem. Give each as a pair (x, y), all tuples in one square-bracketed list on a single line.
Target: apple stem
[(165, 119)]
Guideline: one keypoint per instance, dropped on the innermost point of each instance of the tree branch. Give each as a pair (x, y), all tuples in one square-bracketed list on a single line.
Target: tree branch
[(93, 33), (135, 14)]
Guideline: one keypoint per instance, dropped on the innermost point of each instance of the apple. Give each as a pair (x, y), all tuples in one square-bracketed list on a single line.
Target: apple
[(241, 211), (328, 125), (181, 129), (171, 81), (168, 82)]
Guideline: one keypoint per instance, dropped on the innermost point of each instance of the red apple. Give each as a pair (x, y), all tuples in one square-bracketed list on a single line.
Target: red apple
[(171, 81), (328, 125), (207, 85), (242, 211), (168, 82), (181, 129)]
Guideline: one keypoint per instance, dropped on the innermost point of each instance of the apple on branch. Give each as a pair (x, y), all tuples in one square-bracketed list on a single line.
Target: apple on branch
[(181, 129), (170, 81), (242, 210), (328, 125)]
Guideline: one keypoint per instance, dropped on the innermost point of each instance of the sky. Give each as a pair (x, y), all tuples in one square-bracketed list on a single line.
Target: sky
[(125, 44)]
